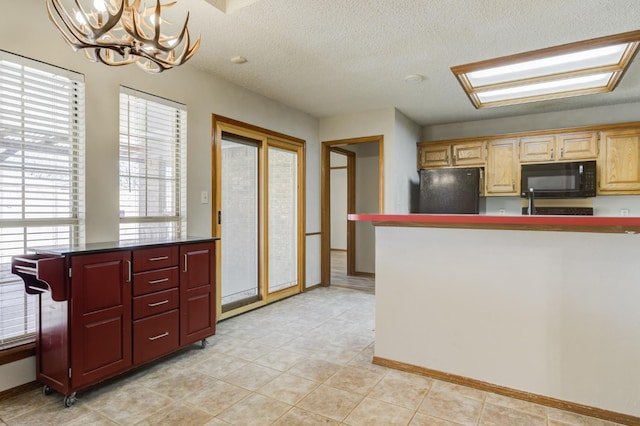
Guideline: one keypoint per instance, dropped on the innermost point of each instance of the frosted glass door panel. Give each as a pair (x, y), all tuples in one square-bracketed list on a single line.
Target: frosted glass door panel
[(239, 224), (283, 219)]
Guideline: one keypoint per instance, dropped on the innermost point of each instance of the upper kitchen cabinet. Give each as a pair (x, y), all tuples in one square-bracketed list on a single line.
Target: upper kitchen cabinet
[(619, 162), (559, 147), (432, 155), (451, 154), (503, 169)]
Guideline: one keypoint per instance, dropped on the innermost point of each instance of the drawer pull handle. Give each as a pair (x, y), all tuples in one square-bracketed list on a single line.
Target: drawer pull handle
[(155, 259), (161, 280), (152, 305), (159, 336)]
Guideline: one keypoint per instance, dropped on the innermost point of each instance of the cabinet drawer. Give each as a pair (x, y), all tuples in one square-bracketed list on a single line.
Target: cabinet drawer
[(155, 303), (148, 282), (155, 258), (155, 336)]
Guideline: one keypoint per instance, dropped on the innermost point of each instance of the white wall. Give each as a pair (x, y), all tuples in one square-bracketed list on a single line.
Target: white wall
[(368, 123), (551, 313), (26, 30), (367, 201), (338, 193), (407, 133), (547, 120)]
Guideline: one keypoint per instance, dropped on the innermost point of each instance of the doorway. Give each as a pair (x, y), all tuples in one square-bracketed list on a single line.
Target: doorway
[(258, 213), (368, 178)]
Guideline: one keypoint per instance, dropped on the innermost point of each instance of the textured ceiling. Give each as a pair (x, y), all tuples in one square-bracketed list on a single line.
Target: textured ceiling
[(331, 57)]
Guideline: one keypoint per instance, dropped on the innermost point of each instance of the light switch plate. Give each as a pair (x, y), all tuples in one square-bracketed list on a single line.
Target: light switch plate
[(204, 197)]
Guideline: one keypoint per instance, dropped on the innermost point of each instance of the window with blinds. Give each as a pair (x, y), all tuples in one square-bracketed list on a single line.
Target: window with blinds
[(153, 135), (41, 175)]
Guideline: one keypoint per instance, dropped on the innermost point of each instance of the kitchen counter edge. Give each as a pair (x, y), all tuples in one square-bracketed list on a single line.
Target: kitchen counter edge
[(109, 246), (598, 224)]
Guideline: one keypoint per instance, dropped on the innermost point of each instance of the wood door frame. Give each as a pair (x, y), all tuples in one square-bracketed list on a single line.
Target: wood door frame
[(266, 139), (325, 197)]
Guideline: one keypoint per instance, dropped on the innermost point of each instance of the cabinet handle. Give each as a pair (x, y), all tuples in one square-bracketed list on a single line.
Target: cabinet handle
[(155, 259), (185, 262), (159, 336), (161, 280), (128, 271), (551, 153), (513, 186), (561, 152), (455, 158), (153, 305)]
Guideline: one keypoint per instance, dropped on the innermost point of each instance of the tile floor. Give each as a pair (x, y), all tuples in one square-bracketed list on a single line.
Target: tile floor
[(302, 361), (339, 277)]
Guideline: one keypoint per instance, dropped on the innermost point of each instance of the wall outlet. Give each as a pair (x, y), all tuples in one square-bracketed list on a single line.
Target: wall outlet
[(502, 212), (624, 212), (204, 197)]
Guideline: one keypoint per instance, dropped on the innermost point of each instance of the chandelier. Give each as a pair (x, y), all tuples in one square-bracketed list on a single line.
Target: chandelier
[(122, 32)]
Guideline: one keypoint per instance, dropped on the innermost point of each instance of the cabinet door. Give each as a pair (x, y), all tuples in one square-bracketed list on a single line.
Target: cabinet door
[(197, 292), (502, 168), (100, 316), (578, 146), (468, 154), (434, 155), (537, 148), (619, 161)]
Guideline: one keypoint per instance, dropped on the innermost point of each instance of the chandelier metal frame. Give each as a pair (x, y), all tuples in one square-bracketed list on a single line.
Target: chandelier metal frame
[(122, 32)]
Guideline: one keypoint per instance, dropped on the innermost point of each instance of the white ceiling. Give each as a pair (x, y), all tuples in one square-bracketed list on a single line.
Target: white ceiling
[(331, 57)]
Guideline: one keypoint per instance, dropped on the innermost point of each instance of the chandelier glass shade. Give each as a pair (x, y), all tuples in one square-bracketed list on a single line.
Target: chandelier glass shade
[(122, 32)]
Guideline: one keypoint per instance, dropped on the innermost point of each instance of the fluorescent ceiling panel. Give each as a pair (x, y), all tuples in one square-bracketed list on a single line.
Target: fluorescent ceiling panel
[(592, 66)]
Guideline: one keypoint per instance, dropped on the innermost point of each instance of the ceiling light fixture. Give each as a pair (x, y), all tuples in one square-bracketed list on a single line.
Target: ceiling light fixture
[(592, 66), (122, 32), (413, 78)]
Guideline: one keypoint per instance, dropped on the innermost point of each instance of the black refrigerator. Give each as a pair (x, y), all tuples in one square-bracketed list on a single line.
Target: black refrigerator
[(449, 191)]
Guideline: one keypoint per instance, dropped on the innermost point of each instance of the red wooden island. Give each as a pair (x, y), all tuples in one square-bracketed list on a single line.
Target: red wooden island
[(106, 308)]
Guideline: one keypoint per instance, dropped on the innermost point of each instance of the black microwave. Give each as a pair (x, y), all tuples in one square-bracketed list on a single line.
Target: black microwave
[(559, 180)]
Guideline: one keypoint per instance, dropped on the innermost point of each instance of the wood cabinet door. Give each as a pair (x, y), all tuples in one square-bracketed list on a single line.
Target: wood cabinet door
[(537, 148), (502, 168), (434, 155), (619, 161), (100, 316), (197, 292), (578, 146), (468, 154)]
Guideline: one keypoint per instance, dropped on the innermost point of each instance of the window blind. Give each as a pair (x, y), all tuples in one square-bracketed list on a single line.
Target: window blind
[(41, 175), (153, 138)]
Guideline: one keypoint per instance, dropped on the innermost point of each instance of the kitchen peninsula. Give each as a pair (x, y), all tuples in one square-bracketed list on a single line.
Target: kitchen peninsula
[(543, 308)]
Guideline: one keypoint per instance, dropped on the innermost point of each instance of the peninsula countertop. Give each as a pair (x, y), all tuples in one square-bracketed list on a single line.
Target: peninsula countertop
[(600, 224)]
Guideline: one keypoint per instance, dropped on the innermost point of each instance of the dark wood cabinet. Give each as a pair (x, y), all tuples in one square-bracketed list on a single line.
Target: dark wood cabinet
[(100, 316), (197, 292), (104, 311)]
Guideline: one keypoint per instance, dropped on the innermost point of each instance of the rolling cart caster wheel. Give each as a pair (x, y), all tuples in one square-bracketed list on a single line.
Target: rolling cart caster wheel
[(46, 390), (69, 400), (203, 343)]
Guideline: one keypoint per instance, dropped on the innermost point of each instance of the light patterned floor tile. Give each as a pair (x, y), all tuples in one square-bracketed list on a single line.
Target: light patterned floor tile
[(496, 415), (455, 408), (256, 410), (288, 388), (280, 359), (251, 376), (424, 420), (517, 404), (330, 402), (298, 417), (354, 379), (177, 414), (315, 369), (403, 389), (372, 412), (217, 396)]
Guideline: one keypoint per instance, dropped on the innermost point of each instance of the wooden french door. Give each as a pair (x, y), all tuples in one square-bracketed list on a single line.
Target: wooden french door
[(258, 214)]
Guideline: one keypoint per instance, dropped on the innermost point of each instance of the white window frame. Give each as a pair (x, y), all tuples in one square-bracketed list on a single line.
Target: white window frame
[(41, 177), (139, 112)]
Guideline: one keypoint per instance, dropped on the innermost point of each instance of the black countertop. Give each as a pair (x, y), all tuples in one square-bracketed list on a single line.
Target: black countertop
[(66, 250)]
